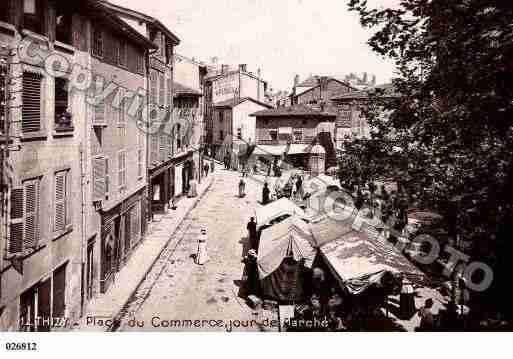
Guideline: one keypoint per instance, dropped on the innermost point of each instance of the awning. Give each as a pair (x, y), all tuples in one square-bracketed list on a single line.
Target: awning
[(354, 256), (269, 150), (285, 130), (292, 237), (273, 210)]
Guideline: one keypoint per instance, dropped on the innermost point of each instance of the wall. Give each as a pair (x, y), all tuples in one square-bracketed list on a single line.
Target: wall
[(243, 120), (225, 125), (224, 88), (249, 87)]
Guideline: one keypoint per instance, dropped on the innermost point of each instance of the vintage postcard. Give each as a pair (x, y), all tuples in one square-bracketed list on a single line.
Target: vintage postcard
[(250, 166)]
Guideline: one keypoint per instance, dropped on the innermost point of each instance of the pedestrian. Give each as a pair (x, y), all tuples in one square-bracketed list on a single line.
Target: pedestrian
[(299, 188), (251, 273), (242, 188), (265, 194), (212, 166), (427, 320), (201, 254), (252, 233)]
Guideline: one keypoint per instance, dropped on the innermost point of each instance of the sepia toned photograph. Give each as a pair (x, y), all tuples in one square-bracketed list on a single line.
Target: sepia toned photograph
[(253, 166)]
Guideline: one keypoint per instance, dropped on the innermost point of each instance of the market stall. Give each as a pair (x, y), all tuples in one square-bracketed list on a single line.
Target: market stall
[(285, 252), (264, 215)]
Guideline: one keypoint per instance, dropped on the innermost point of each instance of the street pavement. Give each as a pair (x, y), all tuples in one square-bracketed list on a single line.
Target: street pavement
[(177, 289)]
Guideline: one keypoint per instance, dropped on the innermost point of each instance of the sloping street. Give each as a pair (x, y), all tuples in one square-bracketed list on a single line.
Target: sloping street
[(178, 289)]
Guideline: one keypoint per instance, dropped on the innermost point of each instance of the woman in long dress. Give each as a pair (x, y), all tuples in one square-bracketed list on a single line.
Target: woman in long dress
[(201, 254), (242, 188)]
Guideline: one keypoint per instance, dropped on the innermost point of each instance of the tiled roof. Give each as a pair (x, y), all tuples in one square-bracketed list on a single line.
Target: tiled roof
[(181, 90), (296, 110), (363, 94), (237, 101)]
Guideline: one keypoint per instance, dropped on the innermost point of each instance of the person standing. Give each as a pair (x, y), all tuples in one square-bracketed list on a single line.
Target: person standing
[(427, 321), (201, 254), (265, 194), (212, 166), (252, 232), (299, 188), (251, 273), (242, 188)]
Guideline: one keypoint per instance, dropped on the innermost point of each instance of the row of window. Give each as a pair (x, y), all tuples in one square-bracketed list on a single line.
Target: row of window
[(160, 89), (25, 227), (117, 50), (102, 185)]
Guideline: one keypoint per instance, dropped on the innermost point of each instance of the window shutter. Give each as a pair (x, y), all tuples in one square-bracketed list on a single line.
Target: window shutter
[(31, 235), (169, 93), (139, 162), (31, 102), (15, 244), (107, 176), (162, 94), (98, 178), (99, 109), (153, 87), (60, 201), (163, 148), (154, 147)]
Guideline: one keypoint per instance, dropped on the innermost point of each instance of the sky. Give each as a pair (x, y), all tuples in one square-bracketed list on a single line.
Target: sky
[(281, 37)]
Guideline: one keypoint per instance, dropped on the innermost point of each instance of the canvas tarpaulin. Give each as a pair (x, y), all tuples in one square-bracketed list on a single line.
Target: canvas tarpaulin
[(290, 238), (273, 210), (356, 260)]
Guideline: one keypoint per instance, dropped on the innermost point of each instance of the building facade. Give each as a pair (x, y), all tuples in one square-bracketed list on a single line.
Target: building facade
[(234, 128), (164, 132), (223, 85), (292, 132), (54, 164)]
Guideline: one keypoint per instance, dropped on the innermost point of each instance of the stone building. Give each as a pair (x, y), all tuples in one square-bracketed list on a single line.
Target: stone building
[(74, 163), (167, 157), (290, 133), (223, 85)]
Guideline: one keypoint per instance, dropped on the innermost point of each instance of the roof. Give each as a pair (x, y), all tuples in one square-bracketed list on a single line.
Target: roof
[(182, 90), (354, 255), (364, 94), (327, 230), (273, 210), (278, 150), (102, 11), (295, 110), (329, 79), (233, 102), (140, 16), (290, 237)]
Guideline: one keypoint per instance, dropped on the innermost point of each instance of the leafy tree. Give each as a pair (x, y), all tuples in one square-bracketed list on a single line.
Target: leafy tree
[(447, 137)]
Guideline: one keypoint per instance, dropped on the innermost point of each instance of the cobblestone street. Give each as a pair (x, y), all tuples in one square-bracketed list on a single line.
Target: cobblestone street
[(178, 289)]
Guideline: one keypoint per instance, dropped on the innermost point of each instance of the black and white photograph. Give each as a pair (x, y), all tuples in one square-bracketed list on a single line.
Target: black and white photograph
[(194, 166)]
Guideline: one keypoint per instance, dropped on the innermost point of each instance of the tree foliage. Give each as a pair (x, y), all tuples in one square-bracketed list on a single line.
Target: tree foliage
[(448, 135)]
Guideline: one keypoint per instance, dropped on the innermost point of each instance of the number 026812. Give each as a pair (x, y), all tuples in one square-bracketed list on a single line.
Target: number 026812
[(11, 346)]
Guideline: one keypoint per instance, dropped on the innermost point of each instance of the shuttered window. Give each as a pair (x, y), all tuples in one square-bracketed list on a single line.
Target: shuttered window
[(31, 102), (153, 87), (139, 162), (98, 178), (3, 93), (154, 147), (97, 42), (107, 176), (169, 93), (122, 53), (163, 148), (24, 226), (99, 109), (121, 170), (135, 222), (162, 90), (61, 97), (139, 56), (62, 201)]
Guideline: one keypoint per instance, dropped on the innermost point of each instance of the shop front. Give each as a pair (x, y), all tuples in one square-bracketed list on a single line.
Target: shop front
[(162, 181), (122, 230)]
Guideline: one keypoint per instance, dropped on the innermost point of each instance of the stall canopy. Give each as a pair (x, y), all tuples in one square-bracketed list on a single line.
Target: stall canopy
[(290, 238), (358, 262), (279, 150), (276, 209), (320, 184)]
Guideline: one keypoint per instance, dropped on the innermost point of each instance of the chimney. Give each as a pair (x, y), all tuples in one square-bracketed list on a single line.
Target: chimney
[(243, 67), (373, 80), (365, 78), (224, 69), (259, 73), (296, 80)]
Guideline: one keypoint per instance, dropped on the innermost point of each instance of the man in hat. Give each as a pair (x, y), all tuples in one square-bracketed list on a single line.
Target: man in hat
[(251, 273), (265, 194)]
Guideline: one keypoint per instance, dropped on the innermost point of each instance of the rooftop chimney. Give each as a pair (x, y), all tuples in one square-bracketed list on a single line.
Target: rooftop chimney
[(224, 69), (243, 67)]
